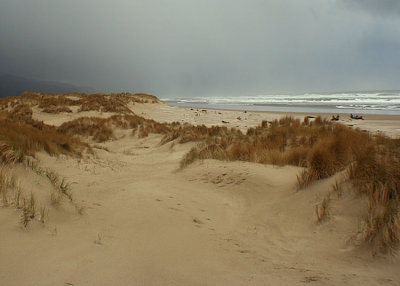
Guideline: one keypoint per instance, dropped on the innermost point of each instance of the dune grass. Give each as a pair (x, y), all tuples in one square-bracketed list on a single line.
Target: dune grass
[(56, 103), (7, 183), (375, 174), (11, 196), (321, 147), (102, 129), (323, 209), (21, 135), (324, 148), (27, 139)]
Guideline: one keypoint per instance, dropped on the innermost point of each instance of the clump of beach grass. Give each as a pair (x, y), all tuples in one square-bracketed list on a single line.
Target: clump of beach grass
[(7, 184), (323, 209), (28, 210), (375, 174)]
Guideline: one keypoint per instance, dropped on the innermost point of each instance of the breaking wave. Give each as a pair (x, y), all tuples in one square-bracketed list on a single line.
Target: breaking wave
[(385, 102)]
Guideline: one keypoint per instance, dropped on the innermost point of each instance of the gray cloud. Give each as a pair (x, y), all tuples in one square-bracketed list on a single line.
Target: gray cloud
[(375, 7), (188, 47)]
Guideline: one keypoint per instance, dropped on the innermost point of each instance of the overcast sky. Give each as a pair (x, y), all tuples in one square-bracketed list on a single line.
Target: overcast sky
[(204, 47)]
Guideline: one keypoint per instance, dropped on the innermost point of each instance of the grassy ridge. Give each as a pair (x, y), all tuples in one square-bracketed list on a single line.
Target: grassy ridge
[(325, 148), (319, 145)]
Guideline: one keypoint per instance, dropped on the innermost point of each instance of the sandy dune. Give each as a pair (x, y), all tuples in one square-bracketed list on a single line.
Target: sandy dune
[(213, 223)]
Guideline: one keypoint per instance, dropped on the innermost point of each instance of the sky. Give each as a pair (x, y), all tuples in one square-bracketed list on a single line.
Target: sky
[(182, 48)]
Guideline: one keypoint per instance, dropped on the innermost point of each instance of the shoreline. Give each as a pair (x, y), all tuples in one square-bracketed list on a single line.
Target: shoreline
[(313, 108), (388, 124), (296, 113)]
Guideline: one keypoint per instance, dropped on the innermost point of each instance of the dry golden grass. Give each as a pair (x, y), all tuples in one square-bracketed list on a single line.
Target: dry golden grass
[(28, 139), (381, 227), (323, 209), (375, 173), (11, 195), (102, 129), (56, 109), (190, 133), (56, 103), (284, 141), (21, 135), (324, 149), (104, 103), (22, 112), (8, 155), (99, 128), (7, 183)]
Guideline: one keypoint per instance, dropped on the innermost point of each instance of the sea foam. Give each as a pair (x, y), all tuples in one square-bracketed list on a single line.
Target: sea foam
[(384, 102)]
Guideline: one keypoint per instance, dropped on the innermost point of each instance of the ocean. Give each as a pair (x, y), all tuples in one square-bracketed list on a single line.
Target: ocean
[(384, 102)]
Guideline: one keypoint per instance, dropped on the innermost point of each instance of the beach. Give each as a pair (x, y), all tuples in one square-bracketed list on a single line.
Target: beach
[(142, 220), (243, 119)]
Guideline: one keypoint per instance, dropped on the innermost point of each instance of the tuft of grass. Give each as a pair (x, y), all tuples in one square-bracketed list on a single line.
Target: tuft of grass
[(337, 189), (62, 188), (189, 158), (322, 210), (304, 179), (32, 164), (375, 174), (214, 149), (380, 227), (18, 198), (52, 176), (8, 155), (28, 210), (65, 189), (4, 197), (27, 206), (99, 240), (25, 217), (7, 183)]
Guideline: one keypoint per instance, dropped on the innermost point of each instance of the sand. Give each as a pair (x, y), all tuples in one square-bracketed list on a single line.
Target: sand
[(145, 222)]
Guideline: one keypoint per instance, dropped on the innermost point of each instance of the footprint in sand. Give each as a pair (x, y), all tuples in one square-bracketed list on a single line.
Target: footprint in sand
[(197, 221)]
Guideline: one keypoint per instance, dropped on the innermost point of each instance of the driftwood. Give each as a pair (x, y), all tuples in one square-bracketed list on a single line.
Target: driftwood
[(335, 118), (357, 117)]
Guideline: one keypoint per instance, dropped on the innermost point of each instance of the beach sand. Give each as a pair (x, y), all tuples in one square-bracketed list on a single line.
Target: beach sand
[(145, 222)]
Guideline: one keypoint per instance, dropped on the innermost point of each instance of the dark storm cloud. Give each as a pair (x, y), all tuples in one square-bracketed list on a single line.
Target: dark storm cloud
[(189, 47)]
